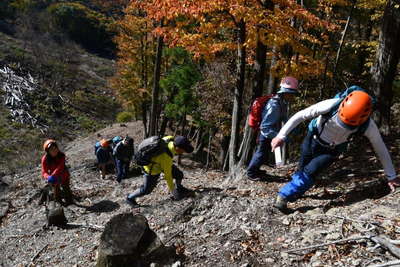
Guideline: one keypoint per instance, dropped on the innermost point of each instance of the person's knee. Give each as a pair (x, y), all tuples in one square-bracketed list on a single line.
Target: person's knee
[(177, 173), (299, 184)]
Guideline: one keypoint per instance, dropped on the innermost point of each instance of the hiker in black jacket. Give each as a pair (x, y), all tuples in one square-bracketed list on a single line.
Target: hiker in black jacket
[(123, 153)]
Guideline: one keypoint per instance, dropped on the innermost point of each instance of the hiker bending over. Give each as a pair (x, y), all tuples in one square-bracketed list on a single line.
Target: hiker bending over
[(163, 163), (55, 171), (273, 114), (123, 153), (337, 120), (104, 156)]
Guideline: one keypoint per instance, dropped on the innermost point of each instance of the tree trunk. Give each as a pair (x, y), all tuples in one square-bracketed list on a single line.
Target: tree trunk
[(271, 78), (144, 119), (224, 151), (163, 126), (248, 141), (238, 95), (339, 51), (384, 69), (156, 86)]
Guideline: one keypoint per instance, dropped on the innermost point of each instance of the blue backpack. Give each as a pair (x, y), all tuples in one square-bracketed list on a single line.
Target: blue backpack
[(96, 147), (116, 140), (312, 126)]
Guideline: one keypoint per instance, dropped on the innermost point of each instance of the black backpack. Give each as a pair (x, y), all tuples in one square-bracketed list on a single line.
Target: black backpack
[(149, 148)]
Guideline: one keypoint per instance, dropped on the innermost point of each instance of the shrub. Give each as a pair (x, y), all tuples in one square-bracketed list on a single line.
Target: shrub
[(124, 116)]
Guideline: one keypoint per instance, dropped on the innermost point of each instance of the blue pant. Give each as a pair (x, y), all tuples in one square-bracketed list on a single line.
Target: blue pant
[(122, 169), (151, 181), (314, 159), (260, 156)]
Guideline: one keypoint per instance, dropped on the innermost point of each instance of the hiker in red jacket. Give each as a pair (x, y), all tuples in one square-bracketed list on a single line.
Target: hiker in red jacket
[(273, 114), (55, 171)]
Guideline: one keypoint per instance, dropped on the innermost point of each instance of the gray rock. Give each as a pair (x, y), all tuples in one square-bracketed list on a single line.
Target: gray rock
[(127, 240)]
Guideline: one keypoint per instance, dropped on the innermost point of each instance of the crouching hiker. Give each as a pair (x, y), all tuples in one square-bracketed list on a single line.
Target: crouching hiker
[(55, 171), (336, 121), (156, 154), (123, 153), (104, 156)]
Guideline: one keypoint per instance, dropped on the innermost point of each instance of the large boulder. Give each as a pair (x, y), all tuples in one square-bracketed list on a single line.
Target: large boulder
[(127, 240)]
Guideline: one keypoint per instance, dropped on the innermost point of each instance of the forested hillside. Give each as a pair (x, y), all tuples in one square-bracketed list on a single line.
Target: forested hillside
[(64, 53), (80, 71)]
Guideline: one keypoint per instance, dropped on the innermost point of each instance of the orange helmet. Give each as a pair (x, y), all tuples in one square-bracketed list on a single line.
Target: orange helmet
[(104, 143), (48, 143), (356, 108)]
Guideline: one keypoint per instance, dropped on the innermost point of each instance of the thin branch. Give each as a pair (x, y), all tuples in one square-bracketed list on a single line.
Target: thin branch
[(328, 243), (389, 263), (37, 254), (386, 243), (174, 235)]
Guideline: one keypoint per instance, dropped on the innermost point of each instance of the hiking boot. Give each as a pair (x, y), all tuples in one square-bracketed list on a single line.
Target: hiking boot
[(262, 172), (281, 203), (132, 202), (256, 178), (183, 190)]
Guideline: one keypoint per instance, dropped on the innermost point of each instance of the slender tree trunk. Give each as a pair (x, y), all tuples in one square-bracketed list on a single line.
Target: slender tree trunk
[(271, 78), (156, 86), (210, 135), (224, 151), (144, 118), (238, 95), (163, 126), (248, 141), (339, 51), (387, 59)]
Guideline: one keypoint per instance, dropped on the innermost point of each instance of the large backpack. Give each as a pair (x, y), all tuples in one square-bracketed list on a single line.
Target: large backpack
[(312, 126), (151, 147), (256, 110), (116, 140), (96, 147)]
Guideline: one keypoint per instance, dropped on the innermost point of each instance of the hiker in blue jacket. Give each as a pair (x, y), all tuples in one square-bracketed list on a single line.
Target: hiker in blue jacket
[(336, 120), (273, 114)]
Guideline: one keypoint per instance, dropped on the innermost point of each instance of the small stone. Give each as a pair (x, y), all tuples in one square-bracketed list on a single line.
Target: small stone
[(200, 219), (177, 264), (285, 221), (284, 255), (317, 264), (248, 232), (333, 236), (269, 260)]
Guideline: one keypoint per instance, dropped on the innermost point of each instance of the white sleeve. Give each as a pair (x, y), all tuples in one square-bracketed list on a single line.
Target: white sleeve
[(372, 133), (306, 114)]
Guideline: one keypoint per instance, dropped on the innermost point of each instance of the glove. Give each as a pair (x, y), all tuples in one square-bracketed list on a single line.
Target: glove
[(393, 184), (176, 195), (52, 179)]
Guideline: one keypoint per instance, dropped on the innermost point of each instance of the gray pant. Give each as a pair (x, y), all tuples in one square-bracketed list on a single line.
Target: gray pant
[(151, 181)]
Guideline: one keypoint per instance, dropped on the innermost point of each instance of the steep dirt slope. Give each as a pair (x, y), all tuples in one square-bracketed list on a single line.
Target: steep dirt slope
[(224, 223)]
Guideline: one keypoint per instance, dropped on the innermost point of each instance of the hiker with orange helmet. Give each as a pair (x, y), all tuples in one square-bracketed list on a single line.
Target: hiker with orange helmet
[(104, 156), (273, 114), (336, 121), (55, 171)]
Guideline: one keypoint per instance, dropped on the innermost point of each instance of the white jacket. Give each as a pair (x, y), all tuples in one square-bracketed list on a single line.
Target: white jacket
[(335, 134)]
